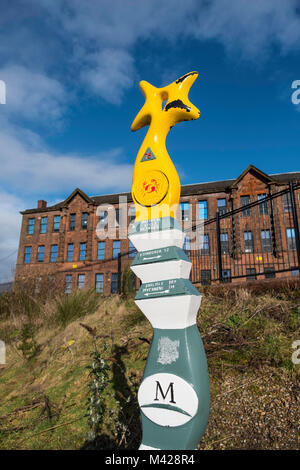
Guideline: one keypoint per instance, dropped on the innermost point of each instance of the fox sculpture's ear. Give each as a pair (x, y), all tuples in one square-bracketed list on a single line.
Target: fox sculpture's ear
[(152, 96)]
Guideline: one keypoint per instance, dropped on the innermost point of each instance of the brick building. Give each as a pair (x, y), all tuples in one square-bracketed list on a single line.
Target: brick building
[(63, 239)]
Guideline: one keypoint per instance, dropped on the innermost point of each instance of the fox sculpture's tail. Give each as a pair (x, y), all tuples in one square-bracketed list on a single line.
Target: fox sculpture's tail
[(156, 185)]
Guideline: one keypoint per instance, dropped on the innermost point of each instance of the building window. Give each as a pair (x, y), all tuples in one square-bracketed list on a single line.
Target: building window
[(295, 271), (84, 220), (202, 210), (116, 248), (27, 256), (81, 281), (222, 206), (114, 283), (30, 227), (204, 244), (41, 252), (103, 219), (132, 214), (266, 243), (269, 273), (56, 223), (132, 250), (44, 221), (187, 244), (248, 242), (226, 275), (101, 250), (53, 254), (250, 274), (245, 200), (117, 218), (290, 238), (185, 211), (286, 202), (82, 252), (99, 283), (68, 287), (224, 240), (70, 252), (72, 221), (205, 277), (263, 205)]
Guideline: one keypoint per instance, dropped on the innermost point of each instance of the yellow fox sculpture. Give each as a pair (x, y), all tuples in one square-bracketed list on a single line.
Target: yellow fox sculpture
[(156, 185)]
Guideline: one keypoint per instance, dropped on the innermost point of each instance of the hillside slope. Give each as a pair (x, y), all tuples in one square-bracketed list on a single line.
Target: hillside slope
[(247, 336)]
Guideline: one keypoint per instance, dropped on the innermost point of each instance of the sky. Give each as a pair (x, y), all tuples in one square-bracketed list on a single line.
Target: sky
[(72, 68)]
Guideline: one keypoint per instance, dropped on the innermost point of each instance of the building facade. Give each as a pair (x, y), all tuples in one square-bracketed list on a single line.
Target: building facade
[(247, 231)]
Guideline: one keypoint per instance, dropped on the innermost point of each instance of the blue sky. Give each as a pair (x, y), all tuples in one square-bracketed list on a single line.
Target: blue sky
[(72, 69)]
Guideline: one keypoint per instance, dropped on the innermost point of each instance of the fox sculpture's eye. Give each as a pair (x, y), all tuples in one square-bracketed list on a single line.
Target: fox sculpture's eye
[(177, 104)]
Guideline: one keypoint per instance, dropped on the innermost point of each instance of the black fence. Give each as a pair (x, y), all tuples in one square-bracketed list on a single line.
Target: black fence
[(255, 241), (258, 240)]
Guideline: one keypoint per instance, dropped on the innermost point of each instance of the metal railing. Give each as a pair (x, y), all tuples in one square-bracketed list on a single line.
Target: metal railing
[(254, 241), (257, 240)]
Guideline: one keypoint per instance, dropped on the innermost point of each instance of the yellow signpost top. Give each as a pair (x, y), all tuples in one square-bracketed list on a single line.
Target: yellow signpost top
[(156, 185)]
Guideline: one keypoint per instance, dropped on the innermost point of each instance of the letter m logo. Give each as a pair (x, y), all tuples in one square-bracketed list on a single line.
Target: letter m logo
[(159, 390)]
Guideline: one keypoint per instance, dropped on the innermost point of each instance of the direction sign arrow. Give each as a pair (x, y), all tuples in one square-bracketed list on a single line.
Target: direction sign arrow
[(152, 257), (161, 292)]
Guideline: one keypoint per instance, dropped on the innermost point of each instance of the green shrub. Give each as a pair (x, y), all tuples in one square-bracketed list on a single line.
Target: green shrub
[(98, 373), (76, 305), (294, 319), (274, 349), (127, 281), (28, 344)]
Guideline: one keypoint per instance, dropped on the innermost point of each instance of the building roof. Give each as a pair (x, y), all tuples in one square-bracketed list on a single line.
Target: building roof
[(186, 189)]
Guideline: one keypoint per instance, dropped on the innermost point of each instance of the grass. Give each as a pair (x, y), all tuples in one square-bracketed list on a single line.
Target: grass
[(76, 305), (247, 336)]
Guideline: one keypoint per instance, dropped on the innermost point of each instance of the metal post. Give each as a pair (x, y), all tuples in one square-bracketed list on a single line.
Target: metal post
[(273, 233), (295, 221), (219, 246), (233, 252), (119, 272)]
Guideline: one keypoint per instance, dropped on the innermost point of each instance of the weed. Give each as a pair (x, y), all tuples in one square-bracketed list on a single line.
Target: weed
[(76, 305), (28, 345), (127, 281), (95, 403)]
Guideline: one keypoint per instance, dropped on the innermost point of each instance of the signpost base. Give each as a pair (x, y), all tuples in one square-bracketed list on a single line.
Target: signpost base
[(174, 393)]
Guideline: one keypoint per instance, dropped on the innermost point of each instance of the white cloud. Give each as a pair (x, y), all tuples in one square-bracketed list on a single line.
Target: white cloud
[(104, 34), (28, 167), (32, 95), (250, 28), (49, 47), (30, 171), (10, 206), (109, 74), (93, 43)]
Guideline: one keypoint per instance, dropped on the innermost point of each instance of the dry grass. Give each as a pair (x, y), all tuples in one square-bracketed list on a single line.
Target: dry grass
[(247, 336)]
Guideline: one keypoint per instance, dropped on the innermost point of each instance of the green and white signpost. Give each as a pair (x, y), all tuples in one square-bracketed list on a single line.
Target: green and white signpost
[(174, 393)]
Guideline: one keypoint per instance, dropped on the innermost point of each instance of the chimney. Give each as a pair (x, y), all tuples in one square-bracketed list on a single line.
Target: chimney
[(42, 204)]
